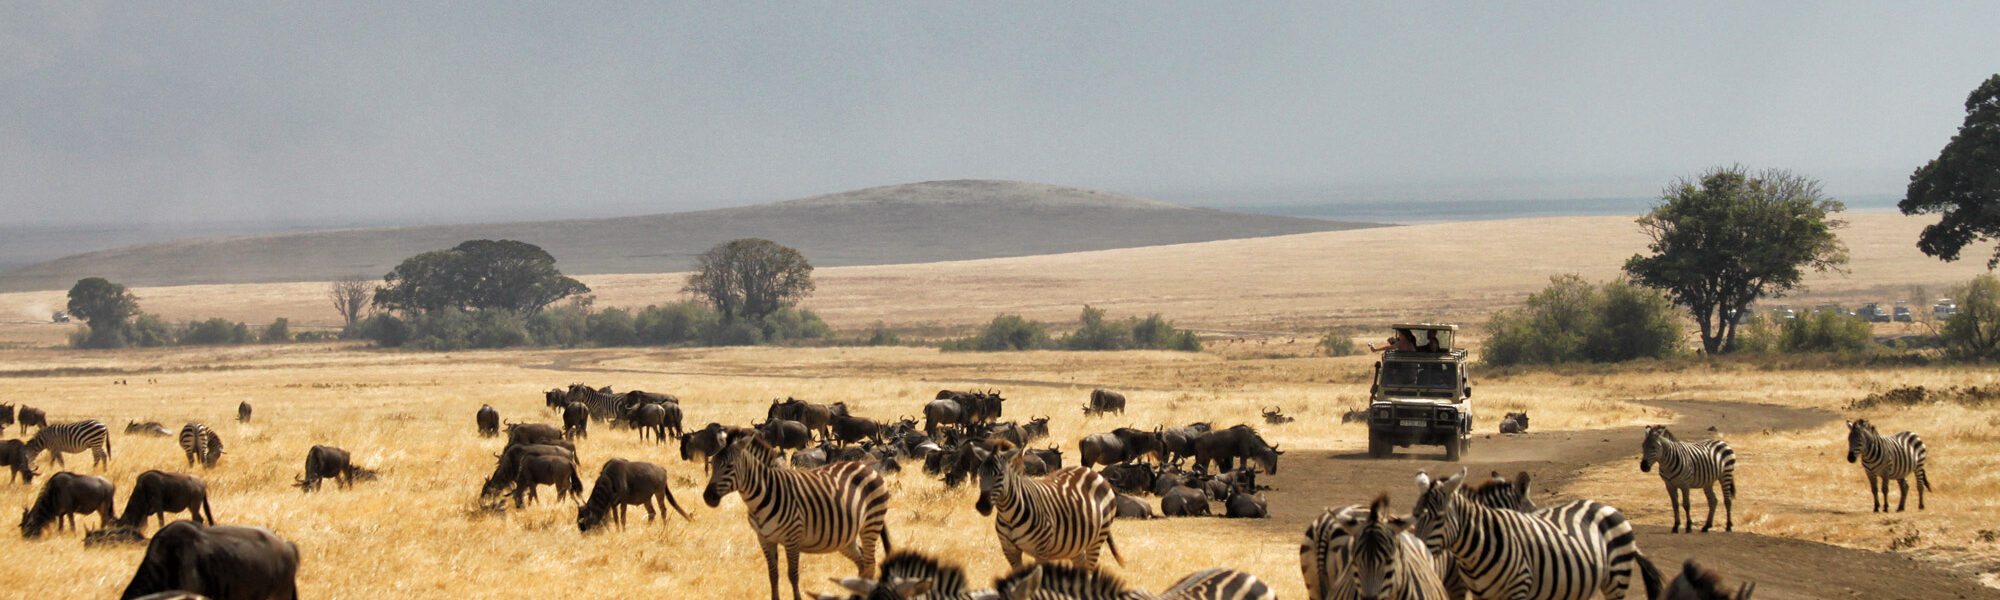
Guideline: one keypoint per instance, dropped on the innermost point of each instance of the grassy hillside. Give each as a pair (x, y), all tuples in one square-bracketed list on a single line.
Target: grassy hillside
[(914, 223)]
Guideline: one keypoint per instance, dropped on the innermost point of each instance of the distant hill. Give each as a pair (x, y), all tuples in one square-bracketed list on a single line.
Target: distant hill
[(911, 223)]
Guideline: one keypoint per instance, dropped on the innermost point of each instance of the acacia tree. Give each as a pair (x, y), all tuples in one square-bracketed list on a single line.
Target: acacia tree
[(1724, 240), (104, 307), (1963, 183), (750, 278), (505, 275), (350, 296)]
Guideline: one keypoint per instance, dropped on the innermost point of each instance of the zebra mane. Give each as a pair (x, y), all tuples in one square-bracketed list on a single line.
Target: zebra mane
[(947, 580), (1063, 580)]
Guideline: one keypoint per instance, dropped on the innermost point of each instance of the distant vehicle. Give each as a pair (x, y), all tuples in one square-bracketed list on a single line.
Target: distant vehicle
[(1873, 313), (1902, 312), (1944, 308), (1783, 313), (1421, 398), (59, 317)]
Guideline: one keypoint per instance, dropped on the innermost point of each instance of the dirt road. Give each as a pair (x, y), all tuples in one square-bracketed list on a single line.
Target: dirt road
[(1783, 568)]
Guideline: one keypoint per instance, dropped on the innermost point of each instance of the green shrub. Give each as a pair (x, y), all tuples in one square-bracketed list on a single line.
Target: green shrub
[(498, 329), (214, 331), (1825, 331), (1757, 333), (1005, 332), (737, 334), (1185, 341), (1574, 321), (315, 336), (613, 327), (385, 330), (1339, 341), (565, 327), (278, 331), (1094, 333), (677, 323), (880, 335), (150, 331), (1974, 332), (791, 324)]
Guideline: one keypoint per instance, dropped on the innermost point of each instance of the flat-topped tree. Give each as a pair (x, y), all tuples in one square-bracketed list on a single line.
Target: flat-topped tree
[(505, 275)]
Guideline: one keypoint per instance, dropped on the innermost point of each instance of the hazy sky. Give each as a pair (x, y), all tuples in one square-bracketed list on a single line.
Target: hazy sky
[(482, 111)]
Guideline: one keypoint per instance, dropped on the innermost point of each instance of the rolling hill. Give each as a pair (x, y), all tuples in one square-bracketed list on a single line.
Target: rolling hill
[(911, 223)]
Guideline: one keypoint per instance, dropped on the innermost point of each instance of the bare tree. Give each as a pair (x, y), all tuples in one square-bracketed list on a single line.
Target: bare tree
[(350, 296)]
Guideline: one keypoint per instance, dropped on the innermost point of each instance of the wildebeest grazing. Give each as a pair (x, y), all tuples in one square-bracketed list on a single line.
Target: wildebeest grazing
[(488, 419), (536, 471), (223, 562), (1514, 423), (850, 429), (328, 462), (1223, 447), (1276, 416), (159, 493), (152, 428), (243, 412), (32, 416), (509, 465), (576, 421), (621, 483), (1104, 401), (64, 496), (1121, 445), (1698, 583), (532, 433), (1050, 457), (14, 454)]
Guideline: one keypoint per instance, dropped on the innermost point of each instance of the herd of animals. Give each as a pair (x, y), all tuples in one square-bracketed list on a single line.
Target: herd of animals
[(811, 477)]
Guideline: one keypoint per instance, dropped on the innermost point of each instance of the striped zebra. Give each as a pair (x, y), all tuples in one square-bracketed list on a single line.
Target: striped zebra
[(1065, 515), (1507, 554), (1688, 465), (1585, 517), (1386, 561), (909, 575), (75, 437), (836, 508), (1885, 458), (201, 443)]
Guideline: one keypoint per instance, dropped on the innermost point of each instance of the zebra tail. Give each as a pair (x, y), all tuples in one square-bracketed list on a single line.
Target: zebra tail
[(1650, 575), (885, 540), (1924, 479), (1113, 543)]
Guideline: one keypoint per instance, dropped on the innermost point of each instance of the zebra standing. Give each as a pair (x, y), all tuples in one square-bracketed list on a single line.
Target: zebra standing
[(840, 507), (1506, 554), (75, 437), (1066, 515), (1585, 517), (1688, 465), (199, 442), (1386, 561), (1885, 458)]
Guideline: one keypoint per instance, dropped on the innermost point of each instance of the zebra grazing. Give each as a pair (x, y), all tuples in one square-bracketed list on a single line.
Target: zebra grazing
[(201, 443), (840, 507), (1585, 517), (1064, 516), (1507, 554), (70, 438), (1886, 458), (1688, 465)]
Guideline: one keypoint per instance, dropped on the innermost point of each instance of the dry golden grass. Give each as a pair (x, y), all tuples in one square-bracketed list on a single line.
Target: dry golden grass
[(417, 532)]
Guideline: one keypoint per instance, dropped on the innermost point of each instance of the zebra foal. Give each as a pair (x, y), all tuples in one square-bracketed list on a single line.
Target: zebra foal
[(1888, 457), (200, 443), (1066, 515), (840, 507), (1688, 465), (71, 438)]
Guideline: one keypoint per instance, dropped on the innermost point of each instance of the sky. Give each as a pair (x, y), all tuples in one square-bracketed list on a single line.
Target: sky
[(423, 112)]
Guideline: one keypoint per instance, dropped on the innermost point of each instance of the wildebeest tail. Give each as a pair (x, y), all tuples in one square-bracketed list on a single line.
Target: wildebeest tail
[(207, 512), (576, 481), (1650, 575)]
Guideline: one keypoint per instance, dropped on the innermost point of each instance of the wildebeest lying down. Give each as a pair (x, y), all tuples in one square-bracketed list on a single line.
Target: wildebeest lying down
[(324, 462), (1184, 501), (152, 428), (159, 493), (622, 482), (488, 419), (223, 562), (1698, 583), (1514, 423), (64, 496)]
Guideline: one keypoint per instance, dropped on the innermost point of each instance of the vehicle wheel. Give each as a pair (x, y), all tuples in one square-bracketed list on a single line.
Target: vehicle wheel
[(1378, 447), (1454, 449)]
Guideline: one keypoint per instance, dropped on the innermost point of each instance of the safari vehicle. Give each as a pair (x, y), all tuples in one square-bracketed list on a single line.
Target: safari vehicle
[(1422, 397)]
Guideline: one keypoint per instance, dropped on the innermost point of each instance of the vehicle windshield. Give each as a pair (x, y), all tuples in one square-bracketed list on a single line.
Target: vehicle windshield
[(1440, 376)]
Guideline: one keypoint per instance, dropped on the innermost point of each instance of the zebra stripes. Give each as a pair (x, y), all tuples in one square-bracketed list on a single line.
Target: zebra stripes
[(1066, 515), (1886, 458), (1386, 561), (200, 443), (1506, 554), (836, 508), (1586, 518), (1328, 558), (71, 438), (1688, 465)]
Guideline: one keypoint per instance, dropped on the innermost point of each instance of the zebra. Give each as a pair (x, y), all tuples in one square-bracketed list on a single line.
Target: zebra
[(1065, 515), (199, 442), (1585, 517), (1885, 458), (909, 575), (1386, 561), (1687, 465), (1506, 554), (840, 507), (63, 438)]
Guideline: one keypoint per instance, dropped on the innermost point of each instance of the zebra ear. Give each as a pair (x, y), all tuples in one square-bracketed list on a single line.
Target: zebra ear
[(1423, 482), (911, 589)]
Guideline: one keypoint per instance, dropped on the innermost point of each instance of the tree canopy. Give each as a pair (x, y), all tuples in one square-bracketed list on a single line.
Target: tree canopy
[(477, 275), (750, 278), (99, 302), (1724, 240), (1963, 182)]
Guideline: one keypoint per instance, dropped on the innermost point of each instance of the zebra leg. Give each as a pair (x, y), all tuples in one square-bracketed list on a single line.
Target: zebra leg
[(1728, 505), (1012, 552), (771, 565), (792, 569), (1923, 481), (1706, 525), (1674, 500), (1902, 501), (1874, 501)]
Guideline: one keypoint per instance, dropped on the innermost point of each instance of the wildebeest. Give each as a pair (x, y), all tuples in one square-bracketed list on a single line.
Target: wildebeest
[(1225, 446), (1178, 442), (64, 496), (1129, 478), (532, 433), (849, 429), (6, 416), (576, 421), (941, 412), (1357, 415), (328, 462), (818, 418), (650, 417), (1011, 432), (489, 420), (159, 493), (1037, 428), (537, 471), (1698, 583), (509, 465), (243, 411), (1514, 423), (224, 562), (14, 454), (152, 428), (1239, 504), (1183, 501), (1276, 416), (982, 407), (785, 434), (32, 416), (1104, 401), (621, 483), (1134, 508), (702, 443), (1050, 456), (1121, 445)]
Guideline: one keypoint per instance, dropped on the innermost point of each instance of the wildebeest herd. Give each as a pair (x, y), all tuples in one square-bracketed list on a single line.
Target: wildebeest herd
[(812, 478)]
